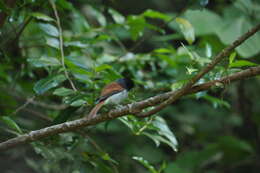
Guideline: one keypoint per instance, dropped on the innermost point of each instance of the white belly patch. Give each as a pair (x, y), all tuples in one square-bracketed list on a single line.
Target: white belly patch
[(117, 98)]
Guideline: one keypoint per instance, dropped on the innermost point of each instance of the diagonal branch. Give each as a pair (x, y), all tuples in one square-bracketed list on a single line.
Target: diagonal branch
[(126, 110), (223, 54)]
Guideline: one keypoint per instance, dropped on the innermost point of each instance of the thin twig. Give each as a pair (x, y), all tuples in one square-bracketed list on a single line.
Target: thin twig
[(38, 114), (145, 126), (28, 101), (49, 106), (126, 110), (61, 44), (120, 44)]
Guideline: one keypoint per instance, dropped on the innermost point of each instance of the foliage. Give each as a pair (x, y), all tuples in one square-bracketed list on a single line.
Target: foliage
[(161, 48)]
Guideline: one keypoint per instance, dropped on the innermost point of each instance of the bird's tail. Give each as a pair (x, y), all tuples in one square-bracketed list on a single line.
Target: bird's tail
[(93, 112)]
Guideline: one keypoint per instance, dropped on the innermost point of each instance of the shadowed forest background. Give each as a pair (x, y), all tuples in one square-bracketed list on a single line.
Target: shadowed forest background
[(56, 55)]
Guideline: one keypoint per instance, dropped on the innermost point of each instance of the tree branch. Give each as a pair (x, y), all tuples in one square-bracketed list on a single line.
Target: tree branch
[(126, 110), (223, 54)]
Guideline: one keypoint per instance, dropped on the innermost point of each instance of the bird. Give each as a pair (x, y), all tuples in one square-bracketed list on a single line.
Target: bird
[(112, 93)]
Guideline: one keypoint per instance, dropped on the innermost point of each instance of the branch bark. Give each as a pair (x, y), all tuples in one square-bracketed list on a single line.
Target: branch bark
[(126, 110)]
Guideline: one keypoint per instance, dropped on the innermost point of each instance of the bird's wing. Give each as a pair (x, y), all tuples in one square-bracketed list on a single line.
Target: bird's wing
[(109, 90)]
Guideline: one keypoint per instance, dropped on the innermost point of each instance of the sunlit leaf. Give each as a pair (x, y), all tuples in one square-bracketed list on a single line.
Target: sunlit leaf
[(106, 156), (42, 16), (49, 29), (208, 50), (106, 58), (75, 44), (97, 15), (187, 29), (232, 57), (155, 14), (164, 130), (145, 163), (53, 42), (163, 50), (242, 63), (102, 67), (117, 16), (191, 70)]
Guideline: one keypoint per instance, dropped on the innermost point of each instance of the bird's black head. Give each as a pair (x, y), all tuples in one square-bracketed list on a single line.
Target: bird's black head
[(127, 83)]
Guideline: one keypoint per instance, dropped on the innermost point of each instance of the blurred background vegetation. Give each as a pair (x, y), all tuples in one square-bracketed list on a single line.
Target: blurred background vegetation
[(160, 44)]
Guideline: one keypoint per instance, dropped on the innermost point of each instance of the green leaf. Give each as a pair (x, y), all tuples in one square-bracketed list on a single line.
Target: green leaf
[(44, 85), (136, 25), (65, 4), (232, 57), (203, 27), (10, 123), (49, 29), (242, 63), (102, 67), (233, 143), (191, 70), (208, 50), (233, 28), (106, 58), (216, 101), (44, 61), (162, 167), (97, 15), (53, 42), (41, 16), (75, 44), (155, 14), (116, 16), (127, 122), (146, 164), (63, 91), (78, 102), (187, 29), (164, 50), (107, 157), (164, 130), (78, 62), (168, 59), (157, 139)]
